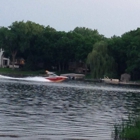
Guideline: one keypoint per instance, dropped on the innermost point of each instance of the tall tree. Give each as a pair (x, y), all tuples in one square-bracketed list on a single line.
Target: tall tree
[(100, 62), (117, 50), (16, 39), (132, 43), (3, 36)]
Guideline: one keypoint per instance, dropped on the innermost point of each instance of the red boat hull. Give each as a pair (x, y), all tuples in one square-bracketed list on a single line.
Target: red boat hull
[(56, 78)]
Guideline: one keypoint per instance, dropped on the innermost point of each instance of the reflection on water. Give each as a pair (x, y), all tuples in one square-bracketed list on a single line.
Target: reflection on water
[(63, 111)]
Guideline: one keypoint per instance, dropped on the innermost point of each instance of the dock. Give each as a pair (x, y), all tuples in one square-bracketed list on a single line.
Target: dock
[(74, 76), (122, 83)]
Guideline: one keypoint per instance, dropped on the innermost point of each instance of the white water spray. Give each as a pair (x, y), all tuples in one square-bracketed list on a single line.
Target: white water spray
[(36, 78)]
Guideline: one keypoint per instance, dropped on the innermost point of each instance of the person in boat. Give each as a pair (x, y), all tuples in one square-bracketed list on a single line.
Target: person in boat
[(48, 74)]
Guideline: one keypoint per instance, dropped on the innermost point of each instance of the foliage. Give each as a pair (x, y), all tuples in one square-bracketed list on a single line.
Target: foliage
[(132, 43), (100, 62), (118, 52), (45, 48), (128, 130), (19, 72)]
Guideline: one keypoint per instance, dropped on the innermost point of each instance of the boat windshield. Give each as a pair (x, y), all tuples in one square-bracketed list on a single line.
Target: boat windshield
[(52, 75)]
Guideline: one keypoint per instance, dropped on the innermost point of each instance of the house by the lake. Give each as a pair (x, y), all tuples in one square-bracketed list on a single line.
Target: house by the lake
[(4, 62)]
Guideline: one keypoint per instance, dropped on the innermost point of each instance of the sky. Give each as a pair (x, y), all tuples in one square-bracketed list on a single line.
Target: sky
[(109, 17)]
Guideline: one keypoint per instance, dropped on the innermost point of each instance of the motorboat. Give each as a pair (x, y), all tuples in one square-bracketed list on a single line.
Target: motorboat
[(56, 78), (52, 77), (111, 81)]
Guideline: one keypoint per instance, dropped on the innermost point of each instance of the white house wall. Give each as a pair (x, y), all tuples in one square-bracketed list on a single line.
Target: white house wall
[(2, 59)]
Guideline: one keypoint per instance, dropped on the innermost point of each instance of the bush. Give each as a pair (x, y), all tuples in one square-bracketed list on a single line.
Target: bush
[(128, 130)]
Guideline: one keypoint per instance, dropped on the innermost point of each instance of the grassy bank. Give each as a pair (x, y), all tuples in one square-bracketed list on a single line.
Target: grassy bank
[(18, 72), (129, 130)]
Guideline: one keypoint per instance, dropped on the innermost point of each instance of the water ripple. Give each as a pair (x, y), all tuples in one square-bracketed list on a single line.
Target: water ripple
[(63, 111)]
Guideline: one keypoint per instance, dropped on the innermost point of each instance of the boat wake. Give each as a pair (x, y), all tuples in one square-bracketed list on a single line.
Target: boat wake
[(36, 78), (73, 84)]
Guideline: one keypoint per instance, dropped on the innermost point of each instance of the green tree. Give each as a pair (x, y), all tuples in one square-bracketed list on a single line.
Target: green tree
[(15, 39), (32, 53), (132, 43), (3, 37), (117, 50), (100, 62)]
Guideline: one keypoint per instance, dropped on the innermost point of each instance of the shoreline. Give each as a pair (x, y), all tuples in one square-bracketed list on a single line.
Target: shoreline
[(106, 82)]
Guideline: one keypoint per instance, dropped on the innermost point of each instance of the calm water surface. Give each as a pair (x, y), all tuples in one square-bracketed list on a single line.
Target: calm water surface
[(63, 111)]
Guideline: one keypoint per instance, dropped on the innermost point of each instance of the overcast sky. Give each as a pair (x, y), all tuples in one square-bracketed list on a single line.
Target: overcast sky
[(109, 17)]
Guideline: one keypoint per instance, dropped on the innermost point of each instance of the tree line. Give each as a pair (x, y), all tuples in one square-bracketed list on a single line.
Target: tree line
[(42, 47)]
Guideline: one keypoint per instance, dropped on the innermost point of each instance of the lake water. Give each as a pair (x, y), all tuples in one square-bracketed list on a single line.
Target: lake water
[(73, 110)]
